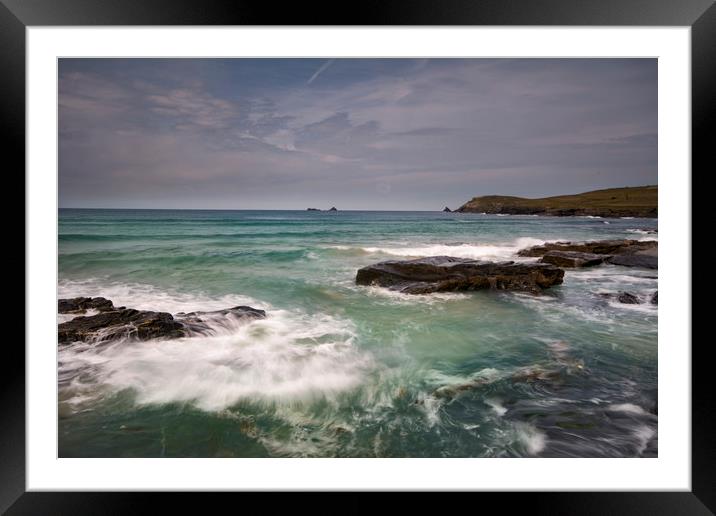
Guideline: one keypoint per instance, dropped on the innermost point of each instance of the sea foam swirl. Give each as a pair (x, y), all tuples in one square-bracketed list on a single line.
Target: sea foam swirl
[(289, 356)]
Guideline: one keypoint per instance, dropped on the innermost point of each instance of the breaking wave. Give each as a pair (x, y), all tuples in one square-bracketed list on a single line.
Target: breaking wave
[(459, 250)]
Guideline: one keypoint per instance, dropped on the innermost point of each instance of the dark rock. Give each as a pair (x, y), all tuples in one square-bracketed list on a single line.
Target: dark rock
[(333, 209), (312, 209), (197, 322), (144, 325), (447, 210), (130, 323), (445, 273), (82, 304), (623, 297), (627, 298), (655, 298), (611, 247), (572, 259), (647, 259)]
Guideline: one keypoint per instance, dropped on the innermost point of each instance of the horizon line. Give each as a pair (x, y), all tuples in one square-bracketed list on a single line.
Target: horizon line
[(236, 209), (319, 209)]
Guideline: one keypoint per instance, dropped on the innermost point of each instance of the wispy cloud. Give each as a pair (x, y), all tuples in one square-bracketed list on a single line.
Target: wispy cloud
[(249, 134), (320, 70)]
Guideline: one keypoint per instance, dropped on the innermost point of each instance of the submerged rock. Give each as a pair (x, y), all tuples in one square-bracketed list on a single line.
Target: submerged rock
[(572, 259), (80, 305), (446, 273), (197, 322), (452, 391), (535, 373), (610, 247), (623, 297), (114, 323), (628, 298)]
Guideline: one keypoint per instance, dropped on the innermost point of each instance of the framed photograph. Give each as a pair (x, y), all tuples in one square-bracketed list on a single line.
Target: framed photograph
[(413, 249)]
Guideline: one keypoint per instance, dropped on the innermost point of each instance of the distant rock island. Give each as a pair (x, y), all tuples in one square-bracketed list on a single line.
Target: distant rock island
[(447, 210), (638, 201), (317, 209)]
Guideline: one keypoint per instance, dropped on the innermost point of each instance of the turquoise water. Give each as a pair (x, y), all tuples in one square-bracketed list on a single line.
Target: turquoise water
[(339, 370)]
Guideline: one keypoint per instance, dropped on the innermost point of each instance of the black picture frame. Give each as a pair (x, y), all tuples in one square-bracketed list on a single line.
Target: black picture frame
[(700, 15)]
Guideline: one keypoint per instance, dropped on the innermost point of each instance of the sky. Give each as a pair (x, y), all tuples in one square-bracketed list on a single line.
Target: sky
[(373, 134)]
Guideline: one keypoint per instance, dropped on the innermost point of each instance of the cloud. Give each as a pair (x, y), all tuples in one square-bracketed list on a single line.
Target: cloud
[(194, 108), (320, 70), (248, 133)]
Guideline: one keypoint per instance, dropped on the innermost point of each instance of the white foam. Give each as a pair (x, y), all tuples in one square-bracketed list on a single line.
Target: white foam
[(640, 231), (148, 297), (68, 317), (439, 378), (399, 297), (475, 251), (628, 407), (496, 405), (644, 434), (431, 408), (285, 358), (532, 439), (643, 307), (613, 274)]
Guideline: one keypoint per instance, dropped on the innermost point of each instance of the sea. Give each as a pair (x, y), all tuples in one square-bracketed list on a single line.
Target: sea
[(341, 370)]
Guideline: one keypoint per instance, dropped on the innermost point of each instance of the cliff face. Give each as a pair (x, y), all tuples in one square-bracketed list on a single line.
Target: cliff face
[(640, 201)]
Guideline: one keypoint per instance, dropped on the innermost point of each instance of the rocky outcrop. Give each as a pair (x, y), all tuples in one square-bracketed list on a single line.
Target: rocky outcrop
[(629, 253), (647, 259), (610, 247), (79, 305), (115, 323), (445, 273), (333, 209), (447, 210), (572, 259)]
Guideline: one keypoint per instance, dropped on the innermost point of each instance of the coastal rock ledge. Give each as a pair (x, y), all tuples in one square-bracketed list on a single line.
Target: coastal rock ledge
[(446, 273), (628, 253), (112, 323)]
